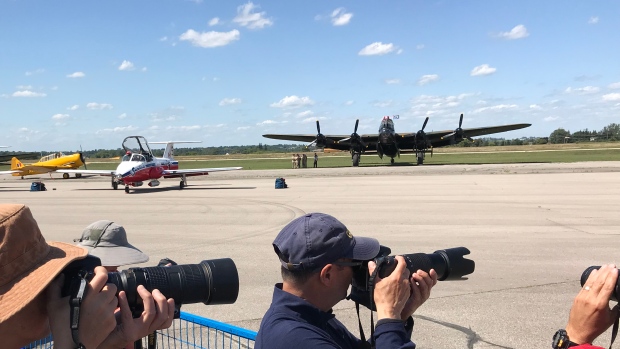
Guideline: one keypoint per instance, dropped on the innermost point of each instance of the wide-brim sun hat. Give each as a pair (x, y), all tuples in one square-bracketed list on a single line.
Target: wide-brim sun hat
[(28, 263), (108, 241)]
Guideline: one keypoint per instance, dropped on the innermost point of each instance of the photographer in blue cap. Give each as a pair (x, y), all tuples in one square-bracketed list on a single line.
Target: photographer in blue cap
[(318, 256)]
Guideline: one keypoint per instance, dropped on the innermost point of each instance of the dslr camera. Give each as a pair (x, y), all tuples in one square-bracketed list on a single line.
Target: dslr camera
[(450, 264), (214, 281), (586, 273)]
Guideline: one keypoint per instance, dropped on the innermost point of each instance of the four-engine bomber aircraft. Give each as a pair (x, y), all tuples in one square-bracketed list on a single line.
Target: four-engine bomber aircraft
[(139, 165), (390, 143)]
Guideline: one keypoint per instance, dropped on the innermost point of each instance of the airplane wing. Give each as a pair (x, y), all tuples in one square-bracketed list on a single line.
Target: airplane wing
[(196, 171), (475, 132), (9, 172), (332, 141), (90, 172)]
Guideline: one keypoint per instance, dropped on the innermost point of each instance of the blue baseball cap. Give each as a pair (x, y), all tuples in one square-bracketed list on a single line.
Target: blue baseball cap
[(316, 239)]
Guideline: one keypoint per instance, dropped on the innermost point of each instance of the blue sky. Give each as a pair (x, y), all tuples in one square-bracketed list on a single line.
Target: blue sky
[(89, 73)]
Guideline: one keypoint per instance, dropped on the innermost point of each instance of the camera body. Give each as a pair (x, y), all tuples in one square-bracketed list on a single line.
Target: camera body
[(213, 281), (449, 264), (615, 295)]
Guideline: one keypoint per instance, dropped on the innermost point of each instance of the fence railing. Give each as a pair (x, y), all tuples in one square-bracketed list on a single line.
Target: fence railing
[(189, 331)]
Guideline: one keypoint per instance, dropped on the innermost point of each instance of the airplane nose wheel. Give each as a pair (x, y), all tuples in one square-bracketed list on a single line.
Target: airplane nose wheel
[(114, 185), (126, 190)]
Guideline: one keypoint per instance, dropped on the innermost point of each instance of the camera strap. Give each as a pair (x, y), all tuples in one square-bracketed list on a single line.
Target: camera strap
[(75, 302), (614, 331)]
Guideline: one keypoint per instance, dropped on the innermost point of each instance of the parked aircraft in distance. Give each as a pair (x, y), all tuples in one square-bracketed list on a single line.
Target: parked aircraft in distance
[(139, 165), (46, 164), (388, 142)]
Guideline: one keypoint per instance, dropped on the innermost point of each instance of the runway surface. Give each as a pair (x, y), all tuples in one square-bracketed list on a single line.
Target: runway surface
[(532, 229)]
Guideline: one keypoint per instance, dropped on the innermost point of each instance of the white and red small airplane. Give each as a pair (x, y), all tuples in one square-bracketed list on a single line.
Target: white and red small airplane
[(139, 165)]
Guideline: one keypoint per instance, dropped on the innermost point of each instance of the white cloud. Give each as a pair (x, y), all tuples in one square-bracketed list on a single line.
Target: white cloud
[(28, 93), (118, 129), (593, 20), (60, 116), (122, 116), (266, 122), (535, 107), (243, 128), (163, 39), (348, 103), (392, 81), (184, 128), (482, 70), (551, 118), (425, 79), (614, 86), (518, 32), (143, 69), (126, 65), (611, 97), (340, 17), (383, 104), (583, 90), (377, 49), (419, 46), (292, 102), (304, 114), (24, 87), (495, 108), (229, 101), (313, 119), (210, 39), (253, 20), (214, 21), (98, 106), (37, 71), (77, 74)]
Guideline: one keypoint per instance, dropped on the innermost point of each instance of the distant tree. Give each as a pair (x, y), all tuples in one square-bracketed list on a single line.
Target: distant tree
[(559, 136)]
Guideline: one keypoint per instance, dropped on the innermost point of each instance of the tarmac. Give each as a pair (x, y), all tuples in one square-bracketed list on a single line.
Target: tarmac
[(532, 229)]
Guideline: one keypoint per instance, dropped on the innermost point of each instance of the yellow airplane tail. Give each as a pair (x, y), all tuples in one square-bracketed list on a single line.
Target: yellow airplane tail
[(16, 164)]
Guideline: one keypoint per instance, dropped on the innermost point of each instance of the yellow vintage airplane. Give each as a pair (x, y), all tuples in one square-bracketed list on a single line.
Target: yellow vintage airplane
[(48, 163)]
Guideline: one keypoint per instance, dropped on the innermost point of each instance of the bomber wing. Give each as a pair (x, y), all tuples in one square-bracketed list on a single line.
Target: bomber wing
[(196, 171)]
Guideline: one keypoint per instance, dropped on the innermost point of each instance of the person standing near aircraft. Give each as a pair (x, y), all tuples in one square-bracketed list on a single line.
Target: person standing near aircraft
[(316, 160)]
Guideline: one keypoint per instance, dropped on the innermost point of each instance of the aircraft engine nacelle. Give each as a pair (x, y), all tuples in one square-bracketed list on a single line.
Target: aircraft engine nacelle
[(153, 183)]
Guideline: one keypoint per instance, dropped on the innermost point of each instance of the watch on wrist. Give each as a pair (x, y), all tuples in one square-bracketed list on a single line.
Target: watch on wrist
[(561, 340)]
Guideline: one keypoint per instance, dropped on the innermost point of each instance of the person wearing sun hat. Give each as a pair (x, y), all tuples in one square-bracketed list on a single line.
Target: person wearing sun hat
[(31, 306), (30, 302), (317, 254), (108, 241)]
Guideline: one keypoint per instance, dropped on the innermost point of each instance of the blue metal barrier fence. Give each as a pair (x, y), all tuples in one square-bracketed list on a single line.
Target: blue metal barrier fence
[(191, 332)]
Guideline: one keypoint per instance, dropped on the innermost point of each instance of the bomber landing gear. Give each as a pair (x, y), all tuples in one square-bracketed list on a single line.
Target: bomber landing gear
[(355, 157), (392, 161), (65, 175)]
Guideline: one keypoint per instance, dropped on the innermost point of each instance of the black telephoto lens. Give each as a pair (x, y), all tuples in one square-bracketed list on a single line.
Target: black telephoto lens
[(212, 281), (586, 275), (449, 263)]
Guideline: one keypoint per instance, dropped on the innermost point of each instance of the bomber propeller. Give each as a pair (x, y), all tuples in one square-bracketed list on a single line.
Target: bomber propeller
[(355, 139), (320, 139), (421, 142), (458, 134)]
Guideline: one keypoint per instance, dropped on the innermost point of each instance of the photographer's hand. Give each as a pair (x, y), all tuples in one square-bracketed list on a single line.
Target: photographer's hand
[(421, 284), (590, 315), (158, 314), (392, 292), (96, 312)]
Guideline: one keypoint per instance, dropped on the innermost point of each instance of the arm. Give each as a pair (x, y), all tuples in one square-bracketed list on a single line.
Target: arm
[(590, 315)]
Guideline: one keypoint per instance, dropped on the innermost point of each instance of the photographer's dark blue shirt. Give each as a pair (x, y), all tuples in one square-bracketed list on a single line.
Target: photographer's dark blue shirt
[(292, 322)]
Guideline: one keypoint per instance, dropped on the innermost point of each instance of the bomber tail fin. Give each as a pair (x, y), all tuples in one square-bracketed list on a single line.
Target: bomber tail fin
[(16, 164)]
